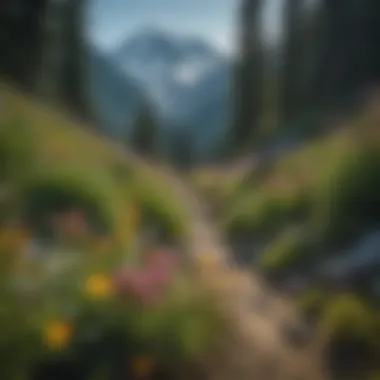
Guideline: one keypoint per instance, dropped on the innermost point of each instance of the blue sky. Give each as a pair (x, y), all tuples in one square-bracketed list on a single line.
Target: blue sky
[(111, 21)]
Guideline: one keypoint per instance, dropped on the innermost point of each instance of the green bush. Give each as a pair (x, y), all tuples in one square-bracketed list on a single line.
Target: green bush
[(288, 251), (348, 201), (313, 302), (16, 149), (348, 316), (57, 189), (160, 210), (266, 213)]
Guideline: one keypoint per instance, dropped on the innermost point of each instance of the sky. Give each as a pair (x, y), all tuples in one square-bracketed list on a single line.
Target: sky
[(112, 21)]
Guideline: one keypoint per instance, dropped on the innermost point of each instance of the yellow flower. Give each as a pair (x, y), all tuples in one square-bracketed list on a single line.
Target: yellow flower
[(57, 335), (142, 366), (98, 286)]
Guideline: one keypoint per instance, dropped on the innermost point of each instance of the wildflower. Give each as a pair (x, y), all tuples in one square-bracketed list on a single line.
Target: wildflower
[(162, 258), (72, 224), (98, 286), (161, 266), (57, 335), (142, 367), (139, 285), (129, 282)]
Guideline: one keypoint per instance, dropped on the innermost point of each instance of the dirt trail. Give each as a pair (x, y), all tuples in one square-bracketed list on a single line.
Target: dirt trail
[(255, 347)]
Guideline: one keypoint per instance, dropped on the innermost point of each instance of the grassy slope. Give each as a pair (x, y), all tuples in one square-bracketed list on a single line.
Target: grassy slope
[(89, 163), (64, 149), (304, 187)]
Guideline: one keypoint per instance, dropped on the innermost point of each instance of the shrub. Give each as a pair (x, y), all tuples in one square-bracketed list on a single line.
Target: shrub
[(348, 201), (16, 149), (313, 302), (266, 213), (348, 316), (58, 189), (288, 251), (161, 211)]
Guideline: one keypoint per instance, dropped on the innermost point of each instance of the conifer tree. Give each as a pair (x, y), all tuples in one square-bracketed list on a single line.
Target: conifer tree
[(74, 87), (248, 76), (291, 61), (144, 134), (183, 148)]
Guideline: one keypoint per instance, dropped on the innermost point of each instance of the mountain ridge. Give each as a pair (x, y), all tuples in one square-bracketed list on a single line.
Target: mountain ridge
[(182, 76)]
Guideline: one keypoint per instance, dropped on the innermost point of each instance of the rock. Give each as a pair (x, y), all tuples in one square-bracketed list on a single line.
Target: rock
[(297, 333)]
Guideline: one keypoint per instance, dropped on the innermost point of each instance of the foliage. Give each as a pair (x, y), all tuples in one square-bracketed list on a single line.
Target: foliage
[(264, 212), (346, 315), (62, 188), (287, 252), (77, 307), (329, 187), (93, 203), (16, 148), (348, 201), (158, 210), (313, 302), (56, 153), (144, 135)]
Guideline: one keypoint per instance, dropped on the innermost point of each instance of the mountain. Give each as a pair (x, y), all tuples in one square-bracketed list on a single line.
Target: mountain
[(116, 97), (187, 79)]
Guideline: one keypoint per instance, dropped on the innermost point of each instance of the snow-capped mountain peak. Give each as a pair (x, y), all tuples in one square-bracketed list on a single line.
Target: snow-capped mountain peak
[(186, 78), (192, 71), (153, 52)]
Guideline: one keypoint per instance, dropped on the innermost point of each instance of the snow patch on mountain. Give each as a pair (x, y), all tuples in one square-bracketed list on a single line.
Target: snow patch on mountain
[(192, 71)]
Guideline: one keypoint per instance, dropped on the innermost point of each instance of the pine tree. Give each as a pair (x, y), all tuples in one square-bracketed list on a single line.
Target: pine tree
[(291, 61), (43, 49), (348, 59), (144, 134), (183, 148), (21, 39), (74, 87), (248, 76)]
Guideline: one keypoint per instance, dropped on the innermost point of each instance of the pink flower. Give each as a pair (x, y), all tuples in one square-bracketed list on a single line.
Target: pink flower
[(148, 284), (161, 266), (71, 224), (137, 285)]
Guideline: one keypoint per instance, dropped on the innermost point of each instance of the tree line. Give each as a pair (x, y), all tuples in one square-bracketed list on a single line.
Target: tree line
[(42, 49), (327, 59)]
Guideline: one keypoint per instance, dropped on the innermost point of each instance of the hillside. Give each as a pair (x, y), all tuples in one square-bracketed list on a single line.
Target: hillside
[(57, 166), (308, 221)]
